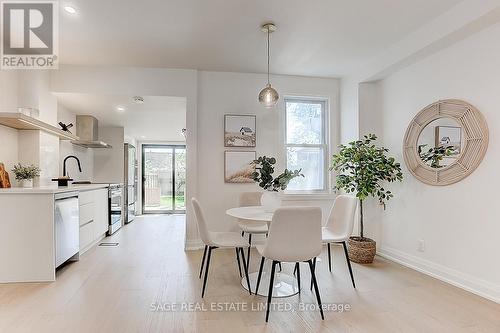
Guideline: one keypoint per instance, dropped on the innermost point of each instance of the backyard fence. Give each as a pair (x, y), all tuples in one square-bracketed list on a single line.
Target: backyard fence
[(152, 190)]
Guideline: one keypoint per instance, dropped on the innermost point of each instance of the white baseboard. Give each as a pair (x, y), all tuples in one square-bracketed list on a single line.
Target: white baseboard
[(458, 279), (193, 244)]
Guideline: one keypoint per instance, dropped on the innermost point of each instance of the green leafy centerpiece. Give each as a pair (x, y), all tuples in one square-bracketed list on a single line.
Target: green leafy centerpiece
[(362, 169), (263, 176)]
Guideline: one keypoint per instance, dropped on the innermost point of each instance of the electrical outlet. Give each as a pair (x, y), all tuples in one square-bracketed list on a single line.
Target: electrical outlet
[(421, 245)]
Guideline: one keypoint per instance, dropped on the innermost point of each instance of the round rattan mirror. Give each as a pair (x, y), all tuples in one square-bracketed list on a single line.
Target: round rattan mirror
[(445, 142)]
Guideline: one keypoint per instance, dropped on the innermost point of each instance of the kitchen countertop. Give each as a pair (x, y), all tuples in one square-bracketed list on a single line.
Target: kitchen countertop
[(52, 189)]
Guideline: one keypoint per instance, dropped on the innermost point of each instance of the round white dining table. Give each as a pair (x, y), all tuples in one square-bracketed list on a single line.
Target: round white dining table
[(252, 213), (285, 285)]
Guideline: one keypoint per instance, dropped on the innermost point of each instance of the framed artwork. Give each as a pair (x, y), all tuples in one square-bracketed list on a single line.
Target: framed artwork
[(239, 130), (239, 166), (449, 136)]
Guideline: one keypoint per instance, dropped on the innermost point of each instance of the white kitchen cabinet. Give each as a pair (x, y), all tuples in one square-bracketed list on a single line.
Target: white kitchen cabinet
[(93, 217), (28, 232), (86, 197), (86, 236), (87, 213), (102, 211)]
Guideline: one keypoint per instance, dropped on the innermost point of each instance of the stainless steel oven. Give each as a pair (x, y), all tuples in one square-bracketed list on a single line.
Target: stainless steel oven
[(115, 204)]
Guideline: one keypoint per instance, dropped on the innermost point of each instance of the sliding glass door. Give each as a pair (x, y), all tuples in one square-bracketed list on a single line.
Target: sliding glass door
[(163, 179)]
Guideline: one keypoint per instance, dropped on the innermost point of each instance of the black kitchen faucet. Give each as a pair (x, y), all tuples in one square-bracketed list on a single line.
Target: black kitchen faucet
[(64, 164)]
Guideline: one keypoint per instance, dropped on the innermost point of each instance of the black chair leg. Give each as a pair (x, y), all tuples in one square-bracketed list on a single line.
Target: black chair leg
[(271, 287), (203, 260), (329, 258), (245, 268), (314, 267), (348, 263), (248, 253), (206, 270), (260, 275), (297, 269), (242, 233), (238, 260), (316, 289)]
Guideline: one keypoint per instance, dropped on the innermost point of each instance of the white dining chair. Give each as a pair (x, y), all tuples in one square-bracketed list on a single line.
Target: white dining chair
[(294, 236), (214, 240), (339, 227), (250, 227)]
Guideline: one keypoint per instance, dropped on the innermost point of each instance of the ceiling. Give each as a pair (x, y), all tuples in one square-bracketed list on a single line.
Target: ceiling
[(168, 114), (328, 38)]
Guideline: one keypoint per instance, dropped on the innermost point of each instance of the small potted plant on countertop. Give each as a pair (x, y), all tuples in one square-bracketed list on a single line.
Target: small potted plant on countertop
[(263, 175), (362, 169), (26, 174)]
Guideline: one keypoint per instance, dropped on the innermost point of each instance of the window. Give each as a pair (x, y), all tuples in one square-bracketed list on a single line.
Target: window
[(306, 143)]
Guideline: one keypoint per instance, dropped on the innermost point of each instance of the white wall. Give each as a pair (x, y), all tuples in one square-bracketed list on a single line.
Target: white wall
[(459, 222), (34, 91), (349, 112), (66, 148), (8, 136), (236, 93), (29, 89), (8, 90), (370, 109), (109, 162), (9, 150)]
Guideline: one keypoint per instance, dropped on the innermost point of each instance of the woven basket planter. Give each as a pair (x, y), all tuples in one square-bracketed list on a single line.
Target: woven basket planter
[(362, 252)]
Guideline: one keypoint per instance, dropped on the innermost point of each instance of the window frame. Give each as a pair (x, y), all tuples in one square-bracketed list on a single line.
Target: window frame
[(325, 136)]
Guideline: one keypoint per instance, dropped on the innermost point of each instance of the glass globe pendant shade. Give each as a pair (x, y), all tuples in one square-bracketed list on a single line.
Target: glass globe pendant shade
[(268, 96)]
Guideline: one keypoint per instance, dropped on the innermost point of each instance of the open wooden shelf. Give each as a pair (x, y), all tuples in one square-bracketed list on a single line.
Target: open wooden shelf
[(21, 121)]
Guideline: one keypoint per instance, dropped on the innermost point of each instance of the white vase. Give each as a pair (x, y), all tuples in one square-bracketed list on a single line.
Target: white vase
[(27, 183), (270, 200)]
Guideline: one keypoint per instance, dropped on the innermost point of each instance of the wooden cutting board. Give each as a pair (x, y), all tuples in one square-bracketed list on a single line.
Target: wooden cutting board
[(4, 177)]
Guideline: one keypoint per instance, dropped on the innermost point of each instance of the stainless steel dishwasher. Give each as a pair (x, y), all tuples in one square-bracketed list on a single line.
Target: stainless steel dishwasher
[(67, 226)]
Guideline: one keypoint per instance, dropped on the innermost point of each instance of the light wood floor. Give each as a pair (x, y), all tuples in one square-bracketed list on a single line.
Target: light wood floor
[(112, 289)]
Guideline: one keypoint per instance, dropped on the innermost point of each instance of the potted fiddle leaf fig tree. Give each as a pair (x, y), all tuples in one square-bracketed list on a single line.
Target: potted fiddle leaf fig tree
[(263, 175), (362, 169)]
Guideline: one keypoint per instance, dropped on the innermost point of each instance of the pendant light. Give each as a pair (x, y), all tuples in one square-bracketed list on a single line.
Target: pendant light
[(268, 96)]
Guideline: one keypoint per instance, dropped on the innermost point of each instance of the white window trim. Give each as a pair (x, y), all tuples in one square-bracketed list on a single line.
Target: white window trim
[(320, 193)]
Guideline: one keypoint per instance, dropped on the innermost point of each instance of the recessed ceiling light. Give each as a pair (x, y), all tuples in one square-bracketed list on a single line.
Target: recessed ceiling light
[(70, 9), (120, 109), (143, 136)]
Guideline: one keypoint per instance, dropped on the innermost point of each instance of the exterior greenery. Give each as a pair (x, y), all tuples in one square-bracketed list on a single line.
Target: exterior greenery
[(363, 168), (263, 175), (26, 172), (166, 202)]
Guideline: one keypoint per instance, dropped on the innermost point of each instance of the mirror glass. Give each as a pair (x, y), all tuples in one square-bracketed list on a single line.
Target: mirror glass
[(440, 143)]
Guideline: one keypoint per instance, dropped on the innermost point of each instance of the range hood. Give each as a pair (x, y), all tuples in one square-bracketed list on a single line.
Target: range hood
[(87, 131)]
